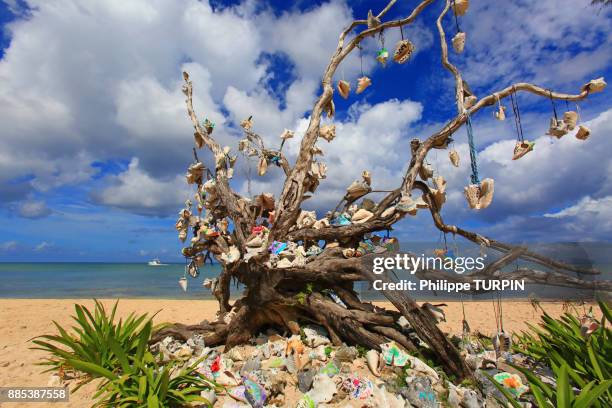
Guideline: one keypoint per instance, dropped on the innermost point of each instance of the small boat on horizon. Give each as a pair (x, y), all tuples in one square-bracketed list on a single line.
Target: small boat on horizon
[(156, 262)]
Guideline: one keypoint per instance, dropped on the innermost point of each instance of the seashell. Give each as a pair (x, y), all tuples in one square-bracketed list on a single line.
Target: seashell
[(315, 336), (357, 189), (287, 134), (373, 360), (373, 21), (388, 212), (500, 113), (182, 235), (460, 7), (480, 196), (323, 389), (199, 140), (406, 205), (439, 252), (393, 355), (594, 85), (284, 263), (382, 56), (344, 88), (453, 155), (367, 177), (348, 252), (459, 42), (294, 345), (570, 118), (209, 395), (235, 355), (255, 394), (439, 197), (328, 132), (362, 216), (420, 367), (306, 219), (362, 84), (425, 171), (318, 353), (469, 101), (403, 51), (583, 132), (322, 223), (183, 284), (440, 183), (512, 383), (247, 124), (557, 128), (306, 402), (522, 148), (199, 260), (330, 108), (435, 311), (318, 169), (193, 270), (231, 256), (262, 166)]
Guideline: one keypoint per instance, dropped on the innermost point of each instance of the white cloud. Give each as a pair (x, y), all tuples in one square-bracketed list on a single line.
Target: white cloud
[(34, 209), (136, 191), (8, 246), (43, 246)]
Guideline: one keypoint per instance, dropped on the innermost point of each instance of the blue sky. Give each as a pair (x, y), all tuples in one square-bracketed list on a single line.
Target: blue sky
[(94, 139)]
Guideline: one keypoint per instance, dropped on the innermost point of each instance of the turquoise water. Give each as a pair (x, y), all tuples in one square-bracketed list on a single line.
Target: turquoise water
[(99, 280)]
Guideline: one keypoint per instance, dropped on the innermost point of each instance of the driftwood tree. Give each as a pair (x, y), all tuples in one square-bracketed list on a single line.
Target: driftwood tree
[(230, 227)]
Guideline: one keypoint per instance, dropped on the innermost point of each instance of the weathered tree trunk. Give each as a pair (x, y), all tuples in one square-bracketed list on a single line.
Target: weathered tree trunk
[(291, 296)]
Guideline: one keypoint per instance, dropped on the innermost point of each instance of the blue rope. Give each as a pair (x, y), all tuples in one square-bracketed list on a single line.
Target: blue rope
[(474, 177)]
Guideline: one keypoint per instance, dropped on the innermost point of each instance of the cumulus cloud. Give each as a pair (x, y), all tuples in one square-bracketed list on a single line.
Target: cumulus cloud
[(34, 209), (136, 191), (43, 246), (8, 246)]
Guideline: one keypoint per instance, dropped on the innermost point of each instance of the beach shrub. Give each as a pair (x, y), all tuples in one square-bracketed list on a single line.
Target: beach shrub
[(578, 352), (584, 346), (592, 394), (89, 341), (141, 380)]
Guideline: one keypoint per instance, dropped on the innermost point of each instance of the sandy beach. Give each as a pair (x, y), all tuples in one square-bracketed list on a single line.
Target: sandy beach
[(23, 319)]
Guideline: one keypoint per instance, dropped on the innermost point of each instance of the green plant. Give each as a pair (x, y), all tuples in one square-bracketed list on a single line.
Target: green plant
[(89, 340), (564, 342), (563, 395), (141, 381)]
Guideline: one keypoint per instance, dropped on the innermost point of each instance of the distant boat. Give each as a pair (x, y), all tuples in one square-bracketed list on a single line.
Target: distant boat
[(156, 262)]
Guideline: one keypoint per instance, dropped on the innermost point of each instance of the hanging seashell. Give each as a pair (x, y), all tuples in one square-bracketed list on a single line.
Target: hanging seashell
[(247, 124), (403, 51), (583, 132), (328, 132), (208, 126), (367, 177), (199, 140), (356, 190), (425, 171), (469, 101), (439, 252), (522, 148), (262, 167), (570, 118), (557, 128), (287, 134), (373, 360), (361, 216), (362, 84), (480, 196), (183, 284), (382, 56), (500, 113), (193, 270), (330, 108), (459, 42), (439, 197), (440, 183), (460, 7), (594, 85), (373, 21), (406, 205), (344, 88)]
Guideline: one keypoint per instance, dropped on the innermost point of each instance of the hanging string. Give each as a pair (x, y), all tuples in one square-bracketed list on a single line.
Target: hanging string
[(361, 58), (552, 102), (473, 154), (402, 32), (517, 116), (381, 37), (456, 19)]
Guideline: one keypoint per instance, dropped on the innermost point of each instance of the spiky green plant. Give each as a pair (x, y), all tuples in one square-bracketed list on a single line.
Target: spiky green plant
[(563, 341), (563, 396), (141, 380), (88, 341)]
